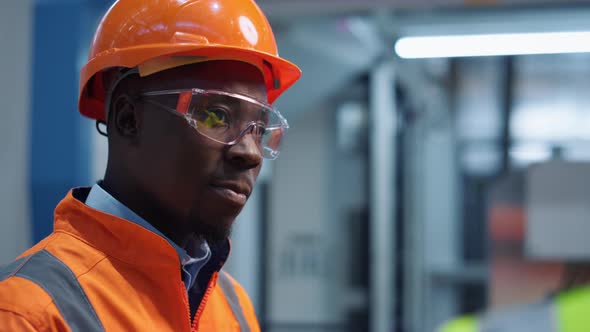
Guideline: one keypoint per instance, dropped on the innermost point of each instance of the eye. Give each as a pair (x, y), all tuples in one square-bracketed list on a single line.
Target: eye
[(213, 117)]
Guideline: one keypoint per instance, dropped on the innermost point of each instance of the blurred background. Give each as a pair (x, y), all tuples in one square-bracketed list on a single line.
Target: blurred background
[(403, 194)]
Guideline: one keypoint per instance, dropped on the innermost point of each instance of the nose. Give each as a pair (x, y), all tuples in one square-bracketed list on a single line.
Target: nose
[(246, 153)]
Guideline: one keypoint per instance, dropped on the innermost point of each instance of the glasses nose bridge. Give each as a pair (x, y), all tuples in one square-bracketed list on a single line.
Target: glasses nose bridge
[(250, 127)]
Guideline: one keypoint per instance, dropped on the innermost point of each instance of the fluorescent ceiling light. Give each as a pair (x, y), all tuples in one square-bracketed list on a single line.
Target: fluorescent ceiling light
[(493, 44)]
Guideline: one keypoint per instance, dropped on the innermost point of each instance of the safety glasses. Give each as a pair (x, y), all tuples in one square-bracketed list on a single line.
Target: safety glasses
[(225, 117)]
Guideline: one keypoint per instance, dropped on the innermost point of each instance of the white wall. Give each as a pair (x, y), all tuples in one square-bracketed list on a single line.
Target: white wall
[(15, 97), (300, 250)]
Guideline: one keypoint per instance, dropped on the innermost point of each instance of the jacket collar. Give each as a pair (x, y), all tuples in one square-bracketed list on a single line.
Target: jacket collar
[(122, 239)]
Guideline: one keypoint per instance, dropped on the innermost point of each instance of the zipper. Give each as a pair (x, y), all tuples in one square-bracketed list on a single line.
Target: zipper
[(210, 287), (185, 299)]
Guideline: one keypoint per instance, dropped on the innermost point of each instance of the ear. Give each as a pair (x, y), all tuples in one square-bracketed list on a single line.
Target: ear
[(127, 119)]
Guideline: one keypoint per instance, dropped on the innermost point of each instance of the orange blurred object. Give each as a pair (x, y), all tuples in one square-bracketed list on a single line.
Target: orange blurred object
[(509, 223), (515, 278), (135, 32)]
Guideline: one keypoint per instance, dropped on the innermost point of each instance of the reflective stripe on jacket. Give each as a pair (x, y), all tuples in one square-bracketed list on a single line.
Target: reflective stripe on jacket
[(567, 312), (97, 272)]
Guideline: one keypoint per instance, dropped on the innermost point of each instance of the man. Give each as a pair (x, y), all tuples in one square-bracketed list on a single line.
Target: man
[(556, 227), (184, 88), (564, 312)]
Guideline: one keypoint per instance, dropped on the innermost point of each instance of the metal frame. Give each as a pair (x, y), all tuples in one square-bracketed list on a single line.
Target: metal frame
[(382, 157)]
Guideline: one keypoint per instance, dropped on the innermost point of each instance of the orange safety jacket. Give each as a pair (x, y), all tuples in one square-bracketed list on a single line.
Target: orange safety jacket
[(98, 272)]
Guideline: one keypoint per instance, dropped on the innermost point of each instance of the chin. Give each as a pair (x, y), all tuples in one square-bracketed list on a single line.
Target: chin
[(214, 230), (217, 235)]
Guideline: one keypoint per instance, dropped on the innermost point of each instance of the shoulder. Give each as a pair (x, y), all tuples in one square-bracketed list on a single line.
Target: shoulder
[(24, 304), (575, 295), (533, 317), (461, 324), (573, 306), (43, 282)]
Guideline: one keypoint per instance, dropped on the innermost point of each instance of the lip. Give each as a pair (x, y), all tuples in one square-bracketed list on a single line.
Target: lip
[(232, 192)]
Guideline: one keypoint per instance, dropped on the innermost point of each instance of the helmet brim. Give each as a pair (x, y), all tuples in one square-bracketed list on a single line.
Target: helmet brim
[(281, 73)]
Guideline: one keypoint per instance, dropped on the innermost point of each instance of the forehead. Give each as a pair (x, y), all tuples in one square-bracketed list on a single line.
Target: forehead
[(229, 76)]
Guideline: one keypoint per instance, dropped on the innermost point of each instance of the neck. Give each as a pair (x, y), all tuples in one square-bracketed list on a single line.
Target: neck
[(133, 195), (576, 275)]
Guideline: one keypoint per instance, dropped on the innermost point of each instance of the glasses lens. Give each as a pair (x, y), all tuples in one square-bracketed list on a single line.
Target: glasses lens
[(271, 141), (225, 118)]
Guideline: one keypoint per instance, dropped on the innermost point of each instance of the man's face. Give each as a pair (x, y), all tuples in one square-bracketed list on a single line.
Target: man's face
[(201, 183)]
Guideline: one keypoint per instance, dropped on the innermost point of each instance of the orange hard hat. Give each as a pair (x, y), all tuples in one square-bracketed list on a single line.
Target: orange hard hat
[(152, 33)]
